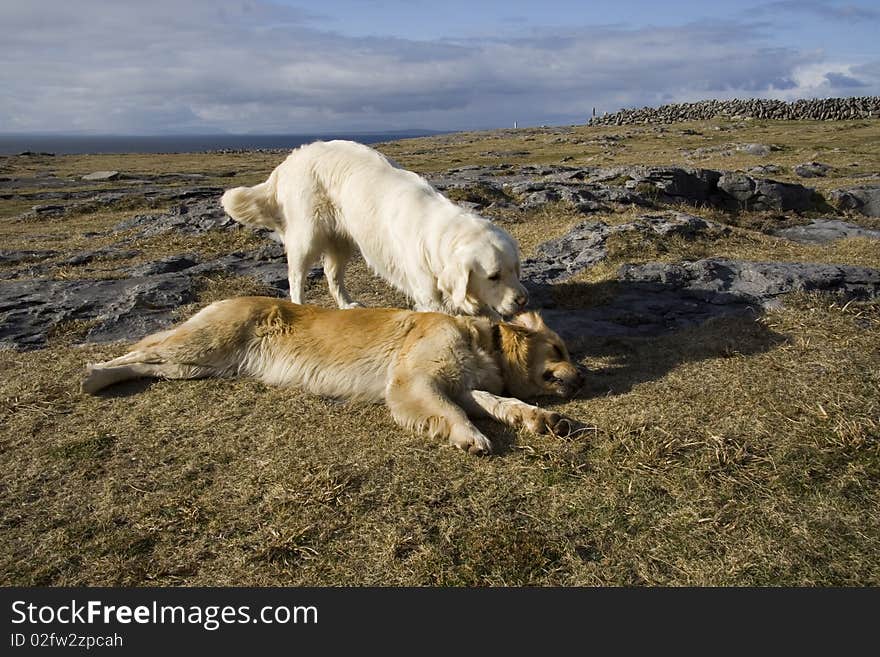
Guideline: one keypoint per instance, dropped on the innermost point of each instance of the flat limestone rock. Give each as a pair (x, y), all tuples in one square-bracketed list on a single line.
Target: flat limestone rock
[(812, 170), (656, 298), (197, 214), (15, 257), (823, 231), (559, 259), (102, 175), (647, 299), (123, 309), (721, 281), (532, 187)]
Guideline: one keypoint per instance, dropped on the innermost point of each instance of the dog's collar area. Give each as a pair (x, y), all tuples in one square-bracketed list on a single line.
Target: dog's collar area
[(498, 350), (496, 338)]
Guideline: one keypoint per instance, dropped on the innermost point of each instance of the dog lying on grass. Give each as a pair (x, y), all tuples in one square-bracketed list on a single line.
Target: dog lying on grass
[(431, 369)]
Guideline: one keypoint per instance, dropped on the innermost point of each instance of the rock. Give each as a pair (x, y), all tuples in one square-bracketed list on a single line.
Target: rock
[(8, 257), (588, 188), (639, 310), (864, 199), (755, 149), (537, 199), (83, 201), (822, 231), (722, 281), (166, 265), (559, 259), (750, 193), (620, 195), (773, 195), (122, 309), (272, 251), (106, 253), (48, 210), (195, 216), (657, 298), (677, 184), (737, 185), (765, 170), (102, 175), (679, 224), (505, 153), (812, 170)]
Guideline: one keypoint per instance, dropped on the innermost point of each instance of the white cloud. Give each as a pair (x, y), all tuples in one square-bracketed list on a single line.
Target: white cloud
[(227, 66)]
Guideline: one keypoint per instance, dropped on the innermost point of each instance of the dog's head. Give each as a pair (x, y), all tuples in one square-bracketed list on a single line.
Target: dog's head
[(537, 360), (482, 275)]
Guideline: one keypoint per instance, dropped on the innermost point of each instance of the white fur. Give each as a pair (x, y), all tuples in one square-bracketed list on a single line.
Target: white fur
[(328, 198)]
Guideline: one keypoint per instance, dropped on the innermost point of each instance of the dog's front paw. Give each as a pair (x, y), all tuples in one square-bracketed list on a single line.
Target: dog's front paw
[(542, 421), (470, 440)]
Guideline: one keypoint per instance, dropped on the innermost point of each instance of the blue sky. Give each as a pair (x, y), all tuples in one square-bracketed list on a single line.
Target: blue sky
[(255, 66)]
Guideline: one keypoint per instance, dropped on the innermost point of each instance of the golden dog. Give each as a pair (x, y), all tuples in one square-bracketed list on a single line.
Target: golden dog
[(431, 369)]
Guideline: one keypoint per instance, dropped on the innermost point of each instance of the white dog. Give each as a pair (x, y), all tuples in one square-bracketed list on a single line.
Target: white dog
[(327, 198)]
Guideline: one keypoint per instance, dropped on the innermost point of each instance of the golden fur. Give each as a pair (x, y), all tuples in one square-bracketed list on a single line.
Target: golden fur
[(431, 369)]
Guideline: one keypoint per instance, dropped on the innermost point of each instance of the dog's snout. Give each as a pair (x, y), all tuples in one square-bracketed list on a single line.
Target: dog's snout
[(522, 299)]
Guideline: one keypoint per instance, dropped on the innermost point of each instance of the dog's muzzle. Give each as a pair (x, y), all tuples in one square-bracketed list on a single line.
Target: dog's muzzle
[(568, 386)]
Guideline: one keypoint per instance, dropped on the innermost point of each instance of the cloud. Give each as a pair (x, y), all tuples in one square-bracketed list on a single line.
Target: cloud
[(843, 81), (251, 66), (848, 13)]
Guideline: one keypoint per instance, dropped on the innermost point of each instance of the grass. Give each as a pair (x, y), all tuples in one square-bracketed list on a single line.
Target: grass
[(742, 452)]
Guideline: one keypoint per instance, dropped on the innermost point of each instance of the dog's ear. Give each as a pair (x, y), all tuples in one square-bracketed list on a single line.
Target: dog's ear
[(530, 320), (453, 282)]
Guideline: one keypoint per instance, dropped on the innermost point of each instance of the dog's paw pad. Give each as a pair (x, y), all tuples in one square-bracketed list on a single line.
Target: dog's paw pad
[(567, 427), (472, 442)]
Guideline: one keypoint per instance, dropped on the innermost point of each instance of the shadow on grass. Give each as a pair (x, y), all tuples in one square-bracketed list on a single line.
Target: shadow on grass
[(626, 333), (130, 388)]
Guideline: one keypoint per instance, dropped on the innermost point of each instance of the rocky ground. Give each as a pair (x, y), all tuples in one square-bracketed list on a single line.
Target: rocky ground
[(654, 297)]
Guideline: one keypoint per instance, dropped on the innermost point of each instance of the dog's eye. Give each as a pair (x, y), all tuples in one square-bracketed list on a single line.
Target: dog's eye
[(495, 276)]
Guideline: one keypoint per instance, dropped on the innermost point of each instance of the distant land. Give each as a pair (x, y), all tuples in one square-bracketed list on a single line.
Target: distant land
[(76, 144)]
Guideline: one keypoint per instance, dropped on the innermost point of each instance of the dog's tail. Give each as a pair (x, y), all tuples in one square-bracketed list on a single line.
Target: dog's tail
[(255, 206)]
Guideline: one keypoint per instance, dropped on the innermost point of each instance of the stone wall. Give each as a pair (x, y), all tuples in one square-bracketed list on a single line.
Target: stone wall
[(821, 109)]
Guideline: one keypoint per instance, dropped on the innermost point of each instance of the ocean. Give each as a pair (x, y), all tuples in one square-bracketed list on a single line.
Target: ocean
[(72, 144)]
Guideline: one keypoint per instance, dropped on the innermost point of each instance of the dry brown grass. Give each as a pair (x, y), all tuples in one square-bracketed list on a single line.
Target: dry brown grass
[(742, 452)]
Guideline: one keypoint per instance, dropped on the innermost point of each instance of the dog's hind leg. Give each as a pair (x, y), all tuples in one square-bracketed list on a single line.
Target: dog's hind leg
[(516, 413), (299, 258), (303, 243), (138, 365), (336, 259), (417, 402)]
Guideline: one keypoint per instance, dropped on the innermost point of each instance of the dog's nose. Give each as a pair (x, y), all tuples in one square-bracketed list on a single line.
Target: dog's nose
[(522, 299)]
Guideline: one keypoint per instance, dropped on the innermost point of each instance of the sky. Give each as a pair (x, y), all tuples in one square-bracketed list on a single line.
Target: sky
[(291, 67)]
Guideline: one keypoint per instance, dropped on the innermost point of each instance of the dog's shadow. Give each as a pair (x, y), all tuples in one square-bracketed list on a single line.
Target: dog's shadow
[(129, 388), (626, 334)]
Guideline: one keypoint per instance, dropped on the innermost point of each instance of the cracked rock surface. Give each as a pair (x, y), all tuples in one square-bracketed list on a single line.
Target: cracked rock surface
[(646, 299)]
